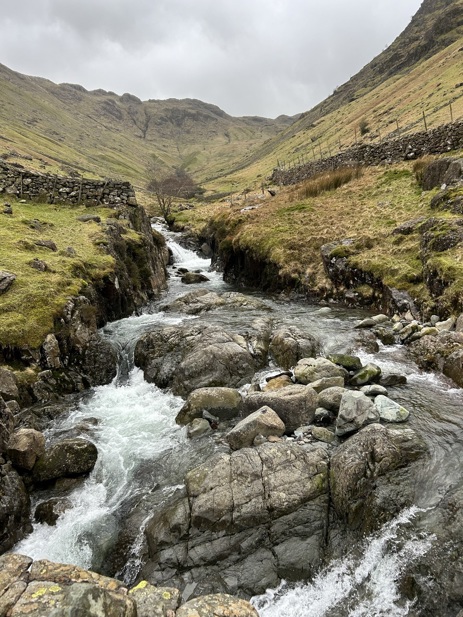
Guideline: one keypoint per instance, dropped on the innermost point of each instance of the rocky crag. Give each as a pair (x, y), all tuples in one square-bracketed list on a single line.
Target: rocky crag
[(73, 356)]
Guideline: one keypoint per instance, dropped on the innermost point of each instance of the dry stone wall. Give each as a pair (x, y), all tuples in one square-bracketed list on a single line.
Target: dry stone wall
[(436, 141), (34, 186)]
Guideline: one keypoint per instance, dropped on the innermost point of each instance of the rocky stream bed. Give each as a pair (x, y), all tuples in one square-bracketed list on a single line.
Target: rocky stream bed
[(319, 473)]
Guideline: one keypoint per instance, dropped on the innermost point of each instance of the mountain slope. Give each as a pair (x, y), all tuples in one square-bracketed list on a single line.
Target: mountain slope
[(420, 72), (101, 133)]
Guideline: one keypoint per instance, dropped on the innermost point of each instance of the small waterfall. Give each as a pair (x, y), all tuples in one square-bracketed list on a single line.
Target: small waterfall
[(365, 585), (134, 424)]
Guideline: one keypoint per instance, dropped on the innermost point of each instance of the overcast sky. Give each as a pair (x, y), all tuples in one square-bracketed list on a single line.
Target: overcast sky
[(250, 57)]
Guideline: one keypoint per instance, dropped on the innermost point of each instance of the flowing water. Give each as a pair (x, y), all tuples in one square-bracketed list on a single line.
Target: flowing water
[(143, 455)]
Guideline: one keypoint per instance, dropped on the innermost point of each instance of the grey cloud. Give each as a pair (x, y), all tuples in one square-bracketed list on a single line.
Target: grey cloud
[(250, 57)]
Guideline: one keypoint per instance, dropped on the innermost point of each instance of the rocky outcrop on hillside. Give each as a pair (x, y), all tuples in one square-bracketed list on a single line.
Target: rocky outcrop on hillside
[(74, 356)]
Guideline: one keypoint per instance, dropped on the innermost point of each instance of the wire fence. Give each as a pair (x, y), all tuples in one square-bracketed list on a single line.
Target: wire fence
[(334, 140)]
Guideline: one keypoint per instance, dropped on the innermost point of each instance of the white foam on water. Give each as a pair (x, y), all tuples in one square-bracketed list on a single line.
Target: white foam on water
[(136, 422), (362, 586)]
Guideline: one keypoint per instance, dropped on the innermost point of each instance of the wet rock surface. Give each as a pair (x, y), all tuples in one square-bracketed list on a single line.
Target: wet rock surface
[(14, 507), (264, 422), (222, 403), (186, 358), (217, 605), (295, 404), (363, 491), (68, 457), (203, 300), (289, 345), (24, 447), (271, 500)]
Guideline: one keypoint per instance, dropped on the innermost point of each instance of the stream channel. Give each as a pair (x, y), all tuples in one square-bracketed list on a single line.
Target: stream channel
[(143, 456)]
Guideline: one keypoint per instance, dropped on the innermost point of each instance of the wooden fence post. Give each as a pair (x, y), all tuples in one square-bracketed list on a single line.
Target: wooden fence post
[(425, 125)]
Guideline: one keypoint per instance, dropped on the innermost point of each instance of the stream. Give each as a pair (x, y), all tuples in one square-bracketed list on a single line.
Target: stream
[(143, 456)]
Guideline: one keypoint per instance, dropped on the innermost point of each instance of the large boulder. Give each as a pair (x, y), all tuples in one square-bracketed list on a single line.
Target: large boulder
[(289, 344), (155, 601), (189, 357), (24, 447), (14, 508), (224, 403), (68, 457), (431, 352), (46, 588), (330, 398), (191, 278), (50, 510), (248, 518), (359, 498), (202, 300), (453, 366), (355, 410), (49, 598), (441, 171), (308, 370), (295, 405), (437, 575), (389, 410), (264, 422), (350, 363), (368, 373)]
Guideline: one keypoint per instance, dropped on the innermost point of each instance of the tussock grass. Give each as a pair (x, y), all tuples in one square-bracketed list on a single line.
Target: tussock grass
[(28, 308), (329, 181)]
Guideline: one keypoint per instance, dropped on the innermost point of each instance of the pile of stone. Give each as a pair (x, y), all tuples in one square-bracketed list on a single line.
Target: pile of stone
[(434, 345)]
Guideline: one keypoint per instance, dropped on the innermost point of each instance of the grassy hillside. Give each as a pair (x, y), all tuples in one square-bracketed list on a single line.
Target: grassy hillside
[(421, 72), (418, 79), (29, 307), (288, 231), (65, 127)]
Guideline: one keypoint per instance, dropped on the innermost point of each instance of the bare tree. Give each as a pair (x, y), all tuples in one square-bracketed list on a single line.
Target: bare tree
[(170, 186)]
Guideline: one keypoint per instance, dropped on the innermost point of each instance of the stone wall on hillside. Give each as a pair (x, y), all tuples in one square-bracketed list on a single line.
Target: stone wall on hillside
[(436, 141), (34, 186)]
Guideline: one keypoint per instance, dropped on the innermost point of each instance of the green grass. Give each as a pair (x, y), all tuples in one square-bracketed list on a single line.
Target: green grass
[(366, 210), (28, 308)]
